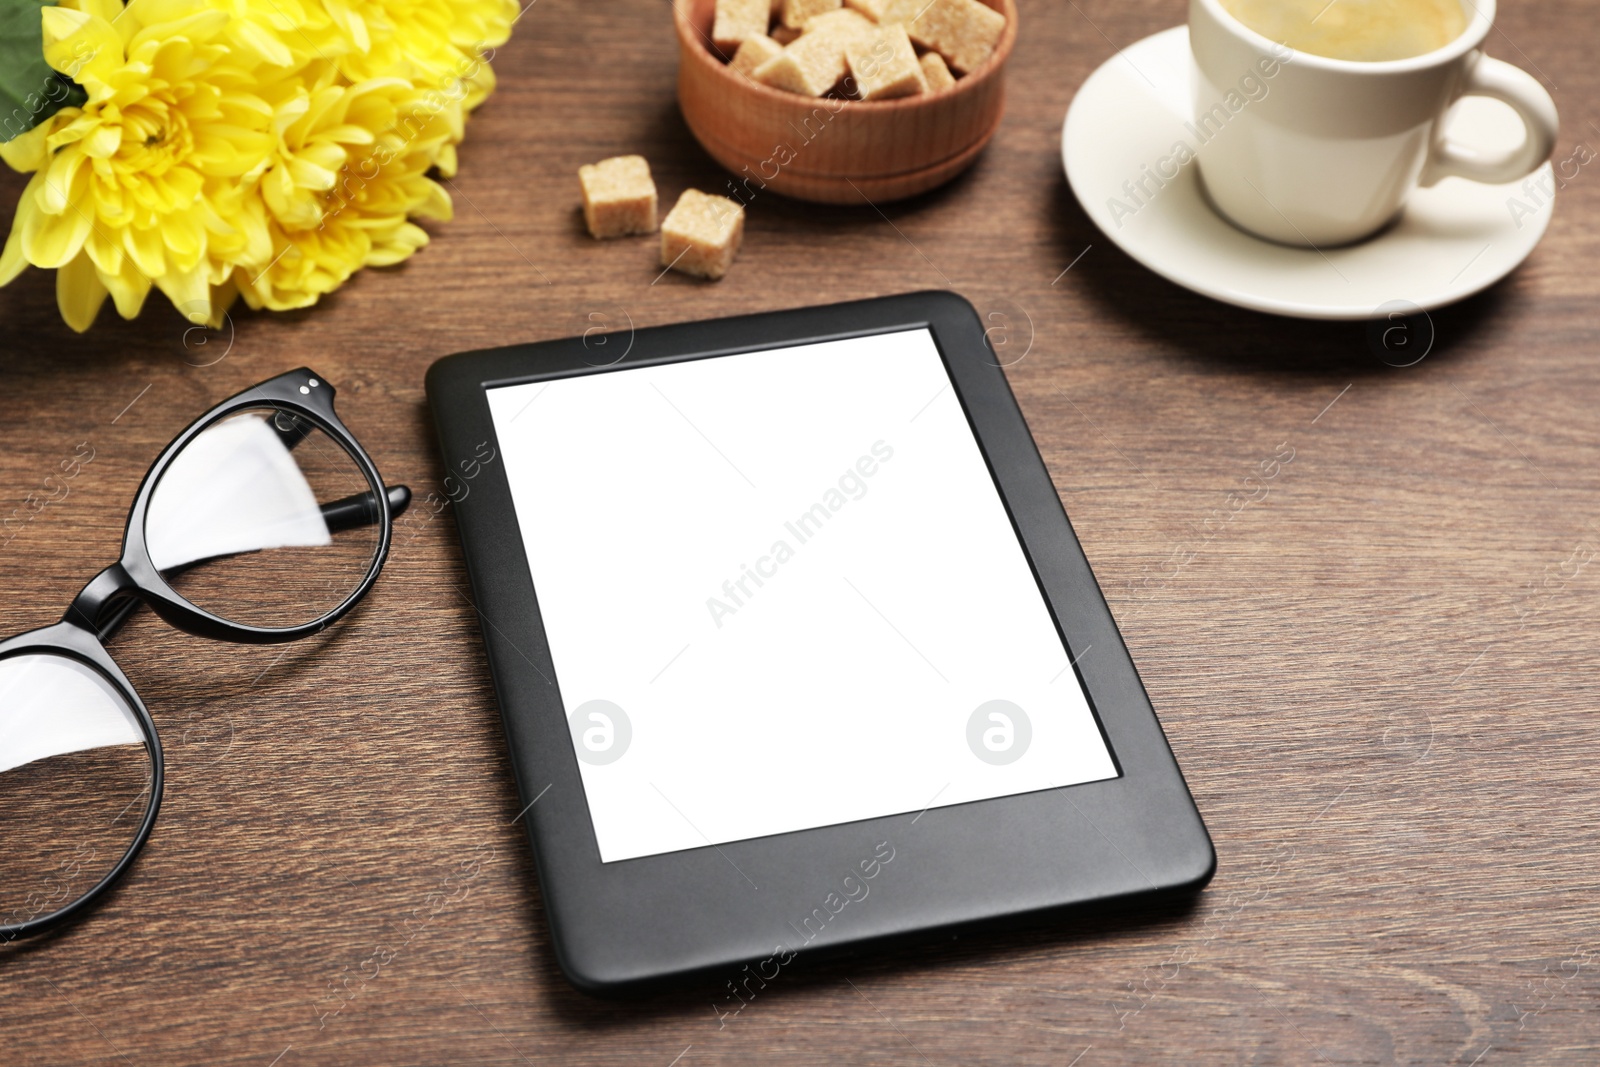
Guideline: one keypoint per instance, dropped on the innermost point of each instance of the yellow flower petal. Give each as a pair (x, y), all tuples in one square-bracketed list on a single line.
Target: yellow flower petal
[(185, 240), (27, 152), (83, 46), (438, 204), (145, 247), (262, 42), (290, 112), (128, 286), (78, 127), (252, 297), (176, 26), (52, 240), (398, 246), (305, 173), (105, 251), (351, 23), (446, 160), (189, 292), (79, 293), (62, 186), (60, 23), (350, 134), (103, 142), (222, 298), (12, 261), (103, 9)]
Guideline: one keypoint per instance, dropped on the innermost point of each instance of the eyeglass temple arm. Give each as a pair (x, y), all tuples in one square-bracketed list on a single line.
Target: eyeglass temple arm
[(348, 513), (361, 509)]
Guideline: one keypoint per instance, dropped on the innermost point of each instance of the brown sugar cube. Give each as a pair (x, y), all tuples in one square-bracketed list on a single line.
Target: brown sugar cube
[(754, 52), (619, 196), (963, 31), (796, 12), (738, 19), (843, 24), (701, 234), (814, 64), (884, 65), (936, 72), (874, 9), (885, 12)]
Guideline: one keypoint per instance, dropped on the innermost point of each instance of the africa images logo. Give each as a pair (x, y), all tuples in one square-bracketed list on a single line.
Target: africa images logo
[(1251, 88), (851, 485)]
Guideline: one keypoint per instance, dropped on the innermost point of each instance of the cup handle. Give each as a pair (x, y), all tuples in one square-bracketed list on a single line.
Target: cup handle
[(1513, 86)]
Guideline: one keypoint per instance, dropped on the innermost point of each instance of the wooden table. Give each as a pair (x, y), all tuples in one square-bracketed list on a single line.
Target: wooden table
[(1379, 678)]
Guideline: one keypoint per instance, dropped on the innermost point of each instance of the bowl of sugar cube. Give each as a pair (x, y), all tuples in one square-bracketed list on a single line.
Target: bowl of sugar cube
[(843, 101)]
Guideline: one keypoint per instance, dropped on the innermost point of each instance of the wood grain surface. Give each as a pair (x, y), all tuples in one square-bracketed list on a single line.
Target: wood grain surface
[(1378, 676)]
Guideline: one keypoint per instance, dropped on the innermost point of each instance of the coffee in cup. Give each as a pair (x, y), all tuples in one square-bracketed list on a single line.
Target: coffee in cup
[(1330, 150), (1362, 30)]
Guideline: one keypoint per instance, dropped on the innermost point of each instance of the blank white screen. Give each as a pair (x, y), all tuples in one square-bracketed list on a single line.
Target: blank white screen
[(775, 675)]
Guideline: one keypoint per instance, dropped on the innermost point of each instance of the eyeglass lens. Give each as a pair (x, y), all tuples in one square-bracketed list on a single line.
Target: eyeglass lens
[(265, 520), (75, 782)]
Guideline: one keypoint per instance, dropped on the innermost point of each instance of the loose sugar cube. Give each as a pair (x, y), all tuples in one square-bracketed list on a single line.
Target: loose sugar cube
[(796, 12), (936, 72), (619, 196), (754, 52), (885, 65), (963, 31), (737, 20), (701, 234), (813, 64)]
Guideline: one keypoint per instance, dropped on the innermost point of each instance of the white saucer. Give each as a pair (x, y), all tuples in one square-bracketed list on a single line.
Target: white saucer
[(1453, 240)]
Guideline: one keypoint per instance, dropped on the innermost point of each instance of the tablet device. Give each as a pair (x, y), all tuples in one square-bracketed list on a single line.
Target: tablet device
[(794, 645)]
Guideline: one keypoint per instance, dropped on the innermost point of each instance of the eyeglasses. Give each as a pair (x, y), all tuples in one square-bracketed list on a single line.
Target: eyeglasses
[(264, 521)]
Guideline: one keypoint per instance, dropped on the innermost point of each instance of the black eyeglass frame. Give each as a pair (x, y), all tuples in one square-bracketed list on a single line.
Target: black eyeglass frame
[(103, 604)]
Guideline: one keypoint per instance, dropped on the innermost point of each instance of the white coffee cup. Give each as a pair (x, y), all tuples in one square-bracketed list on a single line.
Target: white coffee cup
[(1328, 150)]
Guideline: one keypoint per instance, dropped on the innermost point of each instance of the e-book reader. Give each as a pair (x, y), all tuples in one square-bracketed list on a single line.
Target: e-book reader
[(794, 645)]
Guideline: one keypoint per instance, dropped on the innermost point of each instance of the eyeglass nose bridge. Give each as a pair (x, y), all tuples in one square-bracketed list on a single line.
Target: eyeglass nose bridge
[(88, 607)]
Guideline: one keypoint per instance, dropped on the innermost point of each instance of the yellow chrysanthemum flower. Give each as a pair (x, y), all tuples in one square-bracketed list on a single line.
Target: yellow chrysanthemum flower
[(429, 42), (135, 187), (268, 148), (437, 45), (352, 168), (284, 33)]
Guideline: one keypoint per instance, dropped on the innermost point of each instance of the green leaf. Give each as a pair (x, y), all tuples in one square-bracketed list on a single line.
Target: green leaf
[(30, 91)]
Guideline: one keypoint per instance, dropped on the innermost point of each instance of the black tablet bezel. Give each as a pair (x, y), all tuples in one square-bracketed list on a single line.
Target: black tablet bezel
[(624, 926)]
